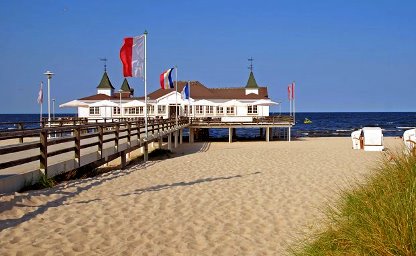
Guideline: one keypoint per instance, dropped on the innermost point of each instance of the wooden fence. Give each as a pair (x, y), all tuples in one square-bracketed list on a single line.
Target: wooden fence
[(79, 135)]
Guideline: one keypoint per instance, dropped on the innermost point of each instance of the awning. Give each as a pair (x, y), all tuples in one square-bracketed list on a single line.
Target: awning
[(73, 104)]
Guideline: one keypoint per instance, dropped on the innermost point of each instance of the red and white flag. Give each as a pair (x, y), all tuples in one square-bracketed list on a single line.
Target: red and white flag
[(291, 91), (40, 96), (132, 56)]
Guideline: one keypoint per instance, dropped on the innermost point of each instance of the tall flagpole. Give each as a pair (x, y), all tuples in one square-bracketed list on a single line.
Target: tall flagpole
[(41, 104), (290, 100), (293, 96), (176, 95), (145, 82), (189, 100)]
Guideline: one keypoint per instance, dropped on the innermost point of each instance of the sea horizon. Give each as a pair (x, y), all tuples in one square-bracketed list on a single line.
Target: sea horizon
[(324, 124)]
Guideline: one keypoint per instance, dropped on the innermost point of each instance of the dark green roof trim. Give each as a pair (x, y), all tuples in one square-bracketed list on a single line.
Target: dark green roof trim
[(125, 87), (251, 83), (105, 82)]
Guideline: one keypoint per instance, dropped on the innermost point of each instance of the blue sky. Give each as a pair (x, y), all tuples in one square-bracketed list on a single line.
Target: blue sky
[(343, 55)]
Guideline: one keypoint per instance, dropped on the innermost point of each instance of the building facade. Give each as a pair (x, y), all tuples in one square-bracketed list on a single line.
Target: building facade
[(236, 102)]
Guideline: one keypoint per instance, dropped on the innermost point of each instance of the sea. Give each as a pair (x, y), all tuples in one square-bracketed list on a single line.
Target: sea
[(324, 124)]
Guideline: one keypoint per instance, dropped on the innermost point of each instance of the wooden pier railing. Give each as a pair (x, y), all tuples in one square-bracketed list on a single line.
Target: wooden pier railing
[(258, 121), (61, 140)]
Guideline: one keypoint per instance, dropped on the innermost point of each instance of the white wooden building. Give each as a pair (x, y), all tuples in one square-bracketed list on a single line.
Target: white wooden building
[(236, 102)]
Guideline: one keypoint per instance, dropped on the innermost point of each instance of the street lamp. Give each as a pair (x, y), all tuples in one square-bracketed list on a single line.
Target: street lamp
[(49, 75)]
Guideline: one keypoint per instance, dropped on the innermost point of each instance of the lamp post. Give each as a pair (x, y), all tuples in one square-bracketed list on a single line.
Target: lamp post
[(49, 75)]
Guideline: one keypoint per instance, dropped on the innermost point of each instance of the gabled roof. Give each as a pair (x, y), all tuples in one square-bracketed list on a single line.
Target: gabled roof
[(125, 87), (251, 83), (105, 82), (199, 91), (98, 97)]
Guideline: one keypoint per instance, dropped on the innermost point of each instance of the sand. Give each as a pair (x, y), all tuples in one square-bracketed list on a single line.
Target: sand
[(244, 198)]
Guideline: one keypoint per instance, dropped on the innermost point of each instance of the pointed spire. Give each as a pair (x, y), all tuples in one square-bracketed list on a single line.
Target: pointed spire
[(251, 83), (105, 82), (125, 87)]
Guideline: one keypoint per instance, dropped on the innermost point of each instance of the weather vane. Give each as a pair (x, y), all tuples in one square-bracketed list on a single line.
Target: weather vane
[(105, 63), (251, 64)]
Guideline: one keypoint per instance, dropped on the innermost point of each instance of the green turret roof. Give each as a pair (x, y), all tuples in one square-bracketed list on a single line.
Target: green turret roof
[(125, 87), (105, 82), (251, 83)]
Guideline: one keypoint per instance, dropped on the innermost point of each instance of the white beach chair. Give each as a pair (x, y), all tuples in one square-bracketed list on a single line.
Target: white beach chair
[(355, 137), (409, 139), (373, 139)]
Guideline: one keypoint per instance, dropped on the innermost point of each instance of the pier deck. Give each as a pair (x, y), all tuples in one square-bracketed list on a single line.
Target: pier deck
[(62, 148)]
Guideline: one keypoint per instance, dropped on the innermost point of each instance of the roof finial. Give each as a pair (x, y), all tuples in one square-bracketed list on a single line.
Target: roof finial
[(251, 64), (105, 63)]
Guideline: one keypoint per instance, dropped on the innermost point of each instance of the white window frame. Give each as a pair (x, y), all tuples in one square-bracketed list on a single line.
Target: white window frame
[(116, 111), (231, 110), (161, 109), (209, 110), (94, 111), (252, 110), (220, 110), (150, 109), (199, 110), (140, 110)]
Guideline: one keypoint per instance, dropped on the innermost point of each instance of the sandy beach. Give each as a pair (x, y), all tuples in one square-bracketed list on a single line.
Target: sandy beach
[(244, 198)]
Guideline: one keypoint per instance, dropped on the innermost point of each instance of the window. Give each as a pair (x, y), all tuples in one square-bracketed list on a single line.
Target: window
[(139, 110), (134, 111), (150, 109), (230, 110), (220, 110), (116, 111), (94, 110), (161, 109), (252, 109), (131, 111), (209, 109), (199, 110), (188, 110)]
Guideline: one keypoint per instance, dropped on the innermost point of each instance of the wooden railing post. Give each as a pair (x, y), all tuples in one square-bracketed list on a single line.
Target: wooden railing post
[(129, 134), (20, 127), (100, 140), (61, 123), (77, 136), (117, 135), (146, 152), (43, 166)]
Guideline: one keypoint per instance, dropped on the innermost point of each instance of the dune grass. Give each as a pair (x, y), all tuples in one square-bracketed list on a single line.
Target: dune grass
[(377, 217)]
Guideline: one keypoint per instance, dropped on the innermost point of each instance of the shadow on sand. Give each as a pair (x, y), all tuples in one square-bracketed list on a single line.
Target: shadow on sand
[(183, 184), (81, 185)]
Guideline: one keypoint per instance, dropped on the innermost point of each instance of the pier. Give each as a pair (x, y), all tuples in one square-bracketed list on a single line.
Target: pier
[(29, 153)]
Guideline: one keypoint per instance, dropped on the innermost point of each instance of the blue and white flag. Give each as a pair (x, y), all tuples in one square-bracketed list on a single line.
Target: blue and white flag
[(185, 92)]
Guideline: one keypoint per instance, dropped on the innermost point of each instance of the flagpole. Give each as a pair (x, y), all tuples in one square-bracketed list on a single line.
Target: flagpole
[(293, 96), (41, 103), (145, 82), (189, 100), (176, 95), (290, 100)]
